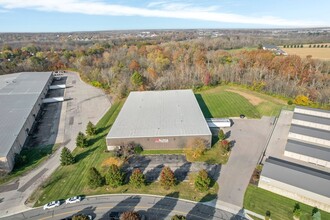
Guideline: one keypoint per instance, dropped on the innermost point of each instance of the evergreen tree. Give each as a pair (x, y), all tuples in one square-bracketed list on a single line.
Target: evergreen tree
[(221, 135), (202, 181), (114, 176), (137, 178), (94, 178), (91, 129), (81, 140), (66, 157), (167, 178)]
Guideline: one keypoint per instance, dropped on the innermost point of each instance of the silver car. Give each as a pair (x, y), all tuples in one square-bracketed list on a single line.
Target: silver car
[(52, 204), (73, 200)]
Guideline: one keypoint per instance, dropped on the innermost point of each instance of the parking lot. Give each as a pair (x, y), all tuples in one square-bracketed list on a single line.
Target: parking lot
[(250, 137)]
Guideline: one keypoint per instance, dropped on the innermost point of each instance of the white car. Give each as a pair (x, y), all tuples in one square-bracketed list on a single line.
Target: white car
[(73, 200), (52, 204)]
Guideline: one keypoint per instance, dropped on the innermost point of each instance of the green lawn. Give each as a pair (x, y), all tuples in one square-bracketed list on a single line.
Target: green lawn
[(72, 180), (34, 157), (220, 103), (260, 200)]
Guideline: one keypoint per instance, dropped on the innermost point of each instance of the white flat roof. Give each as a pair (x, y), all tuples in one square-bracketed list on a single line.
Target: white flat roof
[(18, 94), (160, 114)]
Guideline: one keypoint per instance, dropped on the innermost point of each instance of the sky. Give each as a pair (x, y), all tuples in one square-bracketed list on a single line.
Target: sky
[(97, 15)]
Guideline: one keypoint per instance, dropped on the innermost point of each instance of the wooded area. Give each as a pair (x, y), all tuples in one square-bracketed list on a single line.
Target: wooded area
[(122, 67)]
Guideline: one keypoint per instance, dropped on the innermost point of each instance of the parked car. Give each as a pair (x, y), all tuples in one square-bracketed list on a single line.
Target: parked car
[(52, 204), (73, 200)]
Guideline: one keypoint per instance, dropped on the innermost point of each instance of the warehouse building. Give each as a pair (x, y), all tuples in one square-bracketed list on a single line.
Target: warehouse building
[(301, 183), (309, 136), (159, 120), (21, 97)]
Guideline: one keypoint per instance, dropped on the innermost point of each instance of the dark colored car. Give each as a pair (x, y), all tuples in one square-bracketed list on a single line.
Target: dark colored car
[(114, 215)]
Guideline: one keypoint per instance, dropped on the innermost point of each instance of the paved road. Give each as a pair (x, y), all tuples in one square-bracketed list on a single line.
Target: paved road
[(75, 114), (152, 207), (251, 137)]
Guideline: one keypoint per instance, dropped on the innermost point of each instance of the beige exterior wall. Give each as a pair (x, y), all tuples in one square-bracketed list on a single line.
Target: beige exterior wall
[(311, 124), (311, 112), (153, 143), (301, 195), (307, 159), (309, 139)]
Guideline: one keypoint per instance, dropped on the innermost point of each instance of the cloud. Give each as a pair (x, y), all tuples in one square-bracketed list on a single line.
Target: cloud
[(161, 9)]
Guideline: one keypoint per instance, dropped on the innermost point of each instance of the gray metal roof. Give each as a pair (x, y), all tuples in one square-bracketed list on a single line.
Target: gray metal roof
[(18, 94), (312, 132), (306, 178), (311, 118), (307, 149), (160, 114), (313, 109)]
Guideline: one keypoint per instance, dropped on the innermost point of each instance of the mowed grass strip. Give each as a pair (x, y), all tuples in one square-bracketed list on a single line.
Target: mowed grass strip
[(221, 104), (281, 208)]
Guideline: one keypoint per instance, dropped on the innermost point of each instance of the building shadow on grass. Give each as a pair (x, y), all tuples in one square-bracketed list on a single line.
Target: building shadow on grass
[(127, 204), (163, 207), (102, 129), (203, 106), (153, 174), (182, 172)]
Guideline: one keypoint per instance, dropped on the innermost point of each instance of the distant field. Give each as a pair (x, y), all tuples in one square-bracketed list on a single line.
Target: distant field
[(316, 53), (231, 101)]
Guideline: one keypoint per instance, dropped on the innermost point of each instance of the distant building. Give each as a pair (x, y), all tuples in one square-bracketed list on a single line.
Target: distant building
[(276, 50), (21, 96), (159, 120)]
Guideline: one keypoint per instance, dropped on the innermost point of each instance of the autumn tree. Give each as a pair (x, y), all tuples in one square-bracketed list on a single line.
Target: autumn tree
[(130, 215), (137, 79), (301, 100), (202, 181), (91, 129), (137, 179), (81, 140), (66, 157), (195, 149), (94, 178), (134, 66), (114, 176), (167, 178), (80, 217)]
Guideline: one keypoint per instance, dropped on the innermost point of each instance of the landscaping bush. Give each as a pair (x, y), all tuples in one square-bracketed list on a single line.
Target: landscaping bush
[(202, 181), (316, 215), (296, 210), (138, 149), (167, 178), (66, 157), (94, 178), (137, 179), (290, 102), (114, 176)]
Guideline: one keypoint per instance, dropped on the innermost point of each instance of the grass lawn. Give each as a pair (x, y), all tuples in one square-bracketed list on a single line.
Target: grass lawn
[(34, 157), (72, 180), (260, 200), (151, 152), (228, 101)]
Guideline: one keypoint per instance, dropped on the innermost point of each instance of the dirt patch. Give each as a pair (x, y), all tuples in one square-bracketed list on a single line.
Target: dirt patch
[(254, 100)]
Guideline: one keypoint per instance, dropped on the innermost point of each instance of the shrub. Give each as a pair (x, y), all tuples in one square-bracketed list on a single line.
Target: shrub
[(296, 210), (167, 178), (94, 178), (81, 140), (114, 177), (66, 157), (221, 135), (137, 179), (290, 102), (20, 160), (301, 100), (195, 149), (178, 217), (91, 129), (138, 149), (316, 215), (202, 181), (130, 215)]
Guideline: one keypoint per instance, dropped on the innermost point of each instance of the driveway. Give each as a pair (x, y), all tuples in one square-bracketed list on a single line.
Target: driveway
[(251, 136), (83, 103)]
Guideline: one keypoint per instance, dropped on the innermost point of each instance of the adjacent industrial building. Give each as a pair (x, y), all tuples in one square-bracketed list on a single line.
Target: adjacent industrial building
[(301, 183), (21, 96), (303, 172), (159, 120)]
